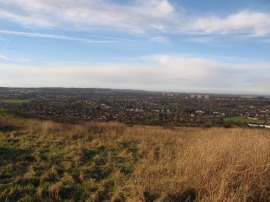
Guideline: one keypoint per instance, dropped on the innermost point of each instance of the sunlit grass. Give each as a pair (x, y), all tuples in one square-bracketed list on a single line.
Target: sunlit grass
[(241, 119), (48, 161)]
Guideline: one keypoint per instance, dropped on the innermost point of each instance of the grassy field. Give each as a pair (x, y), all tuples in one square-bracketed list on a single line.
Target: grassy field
[(241, 119), (15, 101), (47, 161)]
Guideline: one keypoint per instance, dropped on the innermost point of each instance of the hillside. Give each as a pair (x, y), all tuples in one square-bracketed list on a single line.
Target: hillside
[(46, 161)]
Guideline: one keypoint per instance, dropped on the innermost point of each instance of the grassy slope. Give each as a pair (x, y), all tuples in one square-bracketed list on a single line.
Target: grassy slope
[(46, 161), (243, 120)]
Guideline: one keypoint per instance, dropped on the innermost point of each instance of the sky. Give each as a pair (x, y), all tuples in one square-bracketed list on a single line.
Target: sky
[(203, 46)]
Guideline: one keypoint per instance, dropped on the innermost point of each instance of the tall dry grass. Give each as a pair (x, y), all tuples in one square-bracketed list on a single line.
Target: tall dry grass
[(206, 165), (114, 162)]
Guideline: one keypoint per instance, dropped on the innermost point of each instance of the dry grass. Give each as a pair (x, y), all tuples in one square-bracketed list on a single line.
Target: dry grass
[(211, 165), (113, 162)]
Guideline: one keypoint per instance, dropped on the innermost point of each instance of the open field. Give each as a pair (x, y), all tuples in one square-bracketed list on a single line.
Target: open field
[(241, 119), (47, 161), (12, 101)]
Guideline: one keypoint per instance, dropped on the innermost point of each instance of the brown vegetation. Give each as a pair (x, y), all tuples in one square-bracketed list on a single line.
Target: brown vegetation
[(113, 162)]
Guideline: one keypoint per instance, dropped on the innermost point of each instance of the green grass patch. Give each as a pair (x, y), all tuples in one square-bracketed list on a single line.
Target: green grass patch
[(39, 162), (4, 112), (175, 103), (11, 114), (12, 101), (242, 119)]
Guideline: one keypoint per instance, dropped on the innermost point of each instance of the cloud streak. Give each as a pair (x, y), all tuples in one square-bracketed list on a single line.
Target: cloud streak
[(13, 59), (53, 36), (2, 57)]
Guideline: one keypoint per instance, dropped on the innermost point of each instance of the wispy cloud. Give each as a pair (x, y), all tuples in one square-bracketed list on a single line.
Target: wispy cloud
[(138, 16), (179, 79), (163, 72), (110, 37), (245, 22), (2, 39), (88, 14), (160, 40), (208, 40), (2, 57), (265, 40), (13, 59), (52, 36)]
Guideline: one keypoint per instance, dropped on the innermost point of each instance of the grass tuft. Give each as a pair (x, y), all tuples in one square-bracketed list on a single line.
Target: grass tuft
[(47, 161)]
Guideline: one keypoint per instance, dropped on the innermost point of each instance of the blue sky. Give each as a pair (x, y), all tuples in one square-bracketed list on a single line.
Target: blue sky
[(163, 45)]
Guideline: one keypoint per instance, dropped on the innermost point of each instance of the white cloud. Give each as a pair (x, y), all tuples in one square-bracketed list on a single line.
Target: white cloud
[(27, 20), (160, 40), (87, 14), (2, 57), (13, 59), (244, 22), (162, 72), (138, 16), (51, 36)]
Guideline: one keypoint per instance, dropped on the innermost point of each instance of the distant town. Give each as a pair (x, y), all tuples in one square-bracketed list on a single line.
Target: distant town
[(168, 109)]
